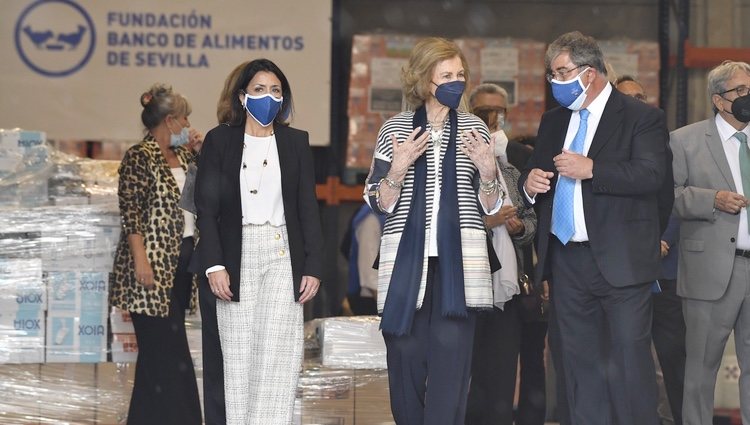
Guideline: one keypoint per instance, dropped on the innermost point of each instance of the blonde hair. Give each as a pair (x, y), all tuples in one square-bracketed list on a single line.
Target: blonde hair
[(161, 101), (416, 76)]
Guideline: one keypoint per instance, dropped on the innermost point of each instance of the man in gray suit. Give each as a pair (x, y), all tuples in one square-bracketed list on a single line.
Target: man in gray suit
[(711, 173)]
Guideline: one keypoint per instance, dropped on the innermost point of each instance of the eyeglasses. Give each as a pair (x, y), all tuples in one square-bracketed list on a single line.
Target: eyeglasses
[(740, 90), (489, 110), (491, 115), (560, 74)]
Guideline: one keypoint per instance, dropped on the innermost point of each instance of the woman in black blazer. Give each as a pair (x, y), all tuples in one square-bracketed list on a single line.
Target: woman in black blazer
[(260, 243)]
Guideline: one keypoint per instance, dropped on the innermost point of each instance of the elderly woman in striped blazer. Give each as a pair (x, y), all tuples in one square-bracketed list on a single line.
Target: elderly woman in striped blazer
[(434, 175)]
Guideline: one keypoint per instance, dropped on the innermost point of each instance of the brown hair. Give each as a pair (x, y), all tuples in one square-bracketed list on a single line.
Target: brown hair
[(224, 105)]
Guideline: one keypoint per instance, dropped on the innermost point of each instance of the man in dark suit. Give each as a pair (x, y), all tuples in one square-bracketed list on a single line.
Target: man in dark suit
[(595, 179)]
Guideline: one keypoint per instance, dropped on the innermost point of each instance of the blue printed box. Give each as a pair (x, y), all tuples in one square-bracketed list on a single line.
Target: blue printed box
[(76, 339), (22, 336), (77, 291)]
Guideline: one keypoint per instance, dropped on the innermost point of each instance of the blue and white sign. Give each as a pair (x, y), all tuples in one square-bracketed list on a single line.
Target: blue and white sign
[(55, 38), (76, 68)]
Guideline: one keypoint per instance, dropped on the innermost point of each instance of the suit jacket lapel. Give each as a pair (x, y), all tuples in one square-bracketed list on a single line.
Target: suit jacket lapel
[(233, 160), (609, 122), (716, 147)]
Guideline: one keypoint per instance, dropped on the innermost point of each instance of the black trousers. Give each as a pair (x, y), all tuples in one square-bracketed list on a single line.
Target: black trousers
[(429, 370), (362, 306), (532, 394), (562, 411), (605, 333), (668, 332), (497, 341), (165, 389), (213, 359), (502, 337)]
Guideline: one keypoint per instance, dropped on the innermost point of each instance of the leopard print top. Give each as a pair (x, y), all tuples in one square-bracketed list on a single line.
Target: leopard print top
[(149, 198)]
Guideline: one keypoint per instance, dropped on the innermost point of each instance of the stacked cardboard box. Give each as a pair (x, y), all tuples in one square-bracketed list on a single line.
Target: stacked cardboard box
[(77, 318), (23, 300)]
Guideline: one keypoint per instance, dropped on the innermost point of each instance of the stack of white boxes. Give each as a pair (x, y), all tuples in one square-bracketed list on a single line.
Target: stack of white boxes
[(124, 345), (77, 260), (23, 154), (22, 304)]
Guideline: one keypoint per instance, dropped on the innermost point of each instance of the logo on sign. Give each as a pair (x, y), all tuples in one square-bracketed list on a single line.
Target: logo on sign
[(55, 38)]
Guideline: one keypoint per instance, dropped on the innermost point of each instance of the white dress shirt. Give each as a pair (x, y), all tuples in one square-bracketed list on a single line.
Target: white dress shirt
[(265, 206), (596, 109), (732, 150)]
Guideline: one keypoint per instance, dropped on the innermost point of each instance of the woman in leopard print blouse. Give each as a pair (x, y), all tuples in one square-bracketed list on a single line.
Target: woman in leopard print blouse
[(150, 278)]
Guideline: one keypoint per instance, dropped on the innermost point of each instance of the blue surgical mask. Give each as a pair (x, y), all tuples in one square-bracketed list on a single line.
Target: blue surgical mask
[(570, 94), (179, 139), (263, 108), (449, 94)]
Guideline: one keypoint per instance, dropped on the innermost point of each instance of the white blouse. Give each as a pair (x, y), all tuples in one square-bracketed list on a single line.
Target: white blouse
[(179, 176), (260, 182)]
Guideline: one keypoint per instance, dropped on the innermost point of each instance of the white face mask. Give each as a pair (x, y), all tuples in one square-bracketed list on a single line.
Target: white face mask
[(501, 144)]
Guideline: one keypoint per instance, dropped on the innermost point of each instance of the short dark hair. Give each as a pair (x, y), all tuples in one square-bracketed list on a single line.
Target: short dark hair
[(583, 50), (237, 114)]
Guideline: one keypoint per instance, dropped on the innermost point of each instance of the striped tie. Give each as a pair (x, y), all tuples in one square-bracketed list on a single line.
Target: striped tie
[(563, 220)]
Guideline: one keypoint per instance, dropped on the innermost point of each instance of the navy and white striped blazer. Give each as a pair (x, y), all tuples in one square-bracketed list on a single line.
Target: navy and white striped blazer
[(477, 277)]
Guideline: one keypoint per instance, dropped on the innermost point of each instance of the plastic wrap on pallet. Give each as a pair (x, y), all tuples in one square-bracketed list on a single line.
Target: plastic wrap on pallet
[(100, 393), (34, 173), (352, 342), (75, 393)]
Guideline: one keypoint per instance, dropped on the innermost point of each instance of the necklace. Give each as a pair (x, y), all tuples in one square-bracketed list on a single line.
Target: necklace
[(436, 133), (262, 169), (436, 129)]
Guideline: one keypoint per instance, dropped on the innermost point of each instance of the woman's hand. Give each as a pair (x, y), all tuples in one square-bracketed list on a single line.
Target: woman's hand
[(501, 217), (308, 288), (404, 154), (195, 140), (219, 283), (514, 225), (481, 154), (144, 274)]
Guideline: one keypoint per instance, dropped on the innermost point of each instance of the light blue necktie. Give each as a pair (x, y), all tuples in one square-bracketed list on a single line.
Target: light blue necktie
[(744, 166), (563, 220)]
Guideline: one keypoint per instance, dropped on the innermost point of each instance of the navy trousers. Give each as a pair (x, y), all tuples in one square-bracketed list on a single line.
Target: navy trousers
[(429, 369)]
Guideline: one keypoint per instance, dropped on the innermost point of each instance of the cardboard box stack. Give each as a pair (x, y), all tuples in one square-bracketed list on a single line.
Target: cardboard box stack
[(23, 301), (124, 346), (23, 158)]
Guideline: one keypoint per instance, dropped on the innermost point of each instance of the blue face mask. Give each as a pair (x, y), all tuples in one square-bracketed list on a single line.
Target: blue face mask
[(570, 94), (179, 139), (449, 94), (263, 108)]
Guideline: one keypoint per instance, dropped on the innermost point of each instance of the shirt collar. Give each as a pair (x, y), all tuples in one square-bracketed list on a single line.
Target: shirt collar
[(597, 105), (726, 131)]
